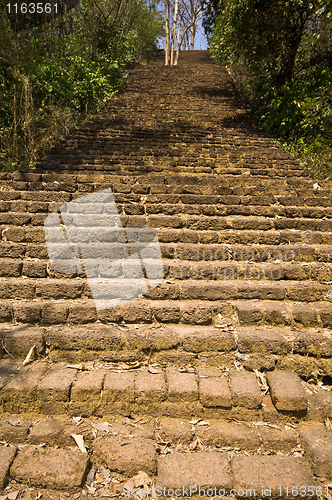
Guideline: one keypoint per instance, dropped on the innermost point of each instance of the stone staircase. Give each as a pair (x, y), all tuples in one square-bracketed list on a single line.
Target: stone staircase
[(228, 360)]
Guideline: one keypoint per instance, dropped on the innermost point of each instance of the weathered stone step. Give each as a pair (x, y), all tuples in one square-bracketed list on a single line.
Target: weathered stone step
[(240, 222), (226, 184), (215, 473), (158, 389), (202, 184), (306, 351), (207, 204), (277, 254), (240, 289), (173, 166), (186, 194), (210, 263), (28, 241), (191, 222), (265, 208), (283, 313), (173, 454), (191, 289), (245, 237), (194, 312)]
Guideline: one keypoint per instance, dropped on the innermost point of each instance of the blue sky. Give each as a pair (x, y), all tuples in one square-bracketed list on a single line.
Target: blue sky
[(200, 40)]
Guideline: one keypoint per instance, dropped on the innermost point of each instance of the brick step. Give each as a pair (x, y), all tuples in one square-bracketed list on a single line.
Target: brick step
[(135, 205), (214, 223), (238, 217), (210, 192), (138, 212), (210, 263), (234, 217), (232, 289), (247, 200), (152, 166), (163, 390), (217, 144), (283, 313), (201, 263), (185, 184), (129, 147), (239, 266), (194, 312), (287, 257), (217, 164), (308, 291), (170, 164), (305, 351), (28, 241), (167, 455), (247, 350), (203, 184), (245, 236), (192, 244), (230, 148)]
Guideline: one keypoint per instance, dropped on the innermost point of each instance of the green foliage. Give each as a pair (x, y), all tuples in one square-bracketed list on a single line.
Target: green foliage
[(147, 27), (301, 110), (60, 68), (265, 36), (281, 54), (210, 13), (72, 81)]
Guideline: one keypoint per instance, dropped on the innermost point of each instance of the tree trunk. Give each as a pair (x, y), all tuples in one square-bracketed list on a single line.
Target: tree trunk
[(287, 67), (175, 17), (192, 34), (179, 38), (167, 48)]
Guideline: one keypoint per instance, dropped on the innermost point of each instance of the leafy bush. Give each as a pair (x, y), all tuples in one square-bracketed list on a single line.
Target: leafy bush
[(73, 82), (59, 70), (281, 56)]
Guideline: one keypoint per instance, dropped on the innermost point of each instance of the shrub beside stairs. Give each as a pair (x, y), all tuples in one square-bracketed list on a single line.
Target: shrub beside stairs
[(218, 378)]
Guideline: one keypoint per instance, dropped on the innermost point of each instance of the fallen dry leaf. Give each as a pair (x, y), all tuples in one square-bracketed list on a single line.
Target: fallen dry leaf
[(77, 367), (328, 424), (91, 475), (31, 356), (265, 424), (79, 440), (129, 485), (195, 421), (141, 479), (13, 495), (197, 443), (153, 370), (102, 427)]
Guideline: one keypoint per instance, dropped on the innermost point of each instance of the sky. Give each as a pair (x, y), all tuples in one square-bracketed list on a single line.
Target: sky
[(200, 39)]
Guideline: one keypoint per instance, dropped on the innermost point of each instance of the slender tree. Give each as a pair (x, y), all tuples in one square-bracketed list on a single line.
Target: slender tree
[(167, 49), (183, 16)]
